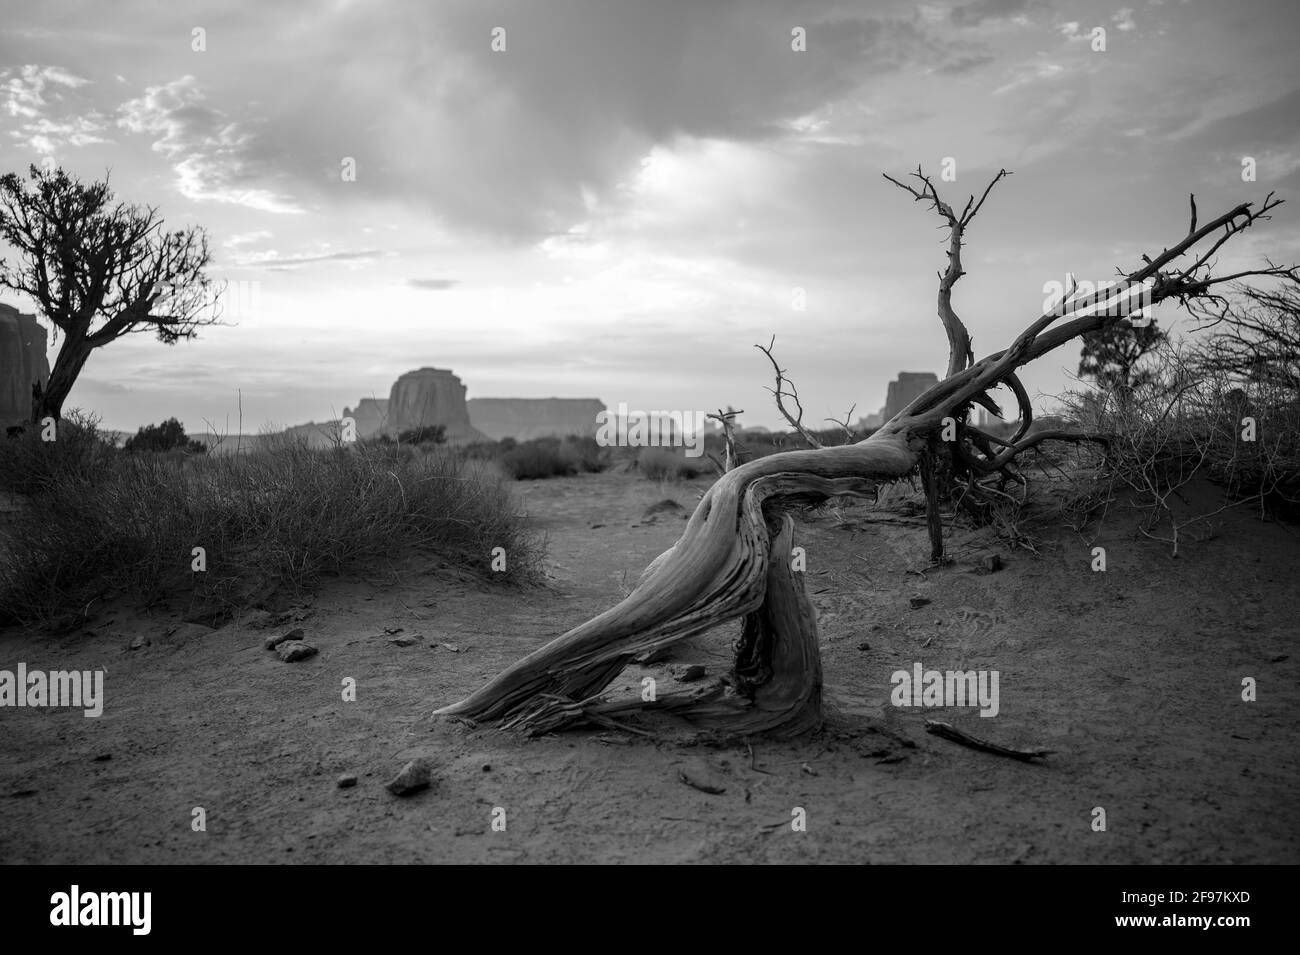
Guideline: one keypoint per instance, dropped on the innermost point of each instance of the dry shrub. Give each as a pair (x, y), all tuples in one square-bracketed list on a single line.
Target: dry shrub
[(283, 514)]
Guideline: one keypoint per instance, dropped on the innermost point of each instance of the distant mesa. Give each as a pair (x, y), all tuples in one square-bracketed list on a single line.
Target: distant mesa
[(23, 363), (527, 418), (871, 421), (906, 388), (430, 396), (370, 414), (902, 391), (436, 396)]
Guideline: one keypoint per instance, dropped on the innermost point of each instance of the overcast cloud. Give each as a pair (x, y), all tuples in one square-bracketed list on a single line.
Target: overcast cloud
[(623, 201)]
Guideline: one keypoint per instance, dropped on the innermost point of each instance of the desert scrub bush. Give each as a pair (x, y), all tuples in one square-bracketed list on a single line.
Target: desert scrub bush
[(537, 459), (662, 464), (283, 515), (584, 455), (540, 458), (482, 451), (29, 465), (168, 436), (425, 434), (1179, 425)]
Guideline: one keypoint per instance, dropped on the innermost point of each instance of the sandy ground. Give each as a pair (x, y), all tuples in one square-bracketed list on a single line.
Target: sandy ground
[(1133, 676)]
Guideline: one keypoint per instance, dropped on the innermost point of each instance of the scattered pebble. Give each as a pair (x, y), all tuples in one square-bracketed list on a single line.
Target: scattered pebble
[(139, 641), (294, 650), (446, 646), (392, 629), (917, 602), (103, 757), (864, 646), (415, 775), (406, 641), (700, 775), (347, 781)]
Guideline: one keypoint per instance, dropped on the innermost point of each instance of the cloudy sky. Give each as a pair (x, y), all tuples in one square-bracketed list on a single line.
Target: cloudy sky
[(623, 201)]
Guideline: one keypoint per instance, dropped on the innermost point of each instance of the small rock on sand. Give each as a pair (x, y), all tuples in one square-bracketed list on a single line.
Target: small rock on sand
[(415, 775), (294, 650), (700, 775)]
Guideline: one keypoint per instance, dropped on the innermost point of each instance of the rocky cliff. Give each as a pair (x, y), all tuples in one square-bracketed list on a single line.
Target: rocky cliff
[(371, 416), (430, 396), (23, 362), (906, 388), (526, 418)]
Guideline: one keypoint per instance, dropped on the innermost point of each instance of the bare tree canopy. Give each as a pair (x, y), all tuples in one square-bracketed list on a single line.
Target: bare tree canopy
[(98, 270)]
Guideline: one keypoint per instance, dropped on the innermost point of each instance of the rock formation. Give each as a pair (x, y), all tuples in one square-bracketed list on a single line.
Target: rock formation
[(370, 414), (908, 386), (23, 363), (526, 418), (430, 396)]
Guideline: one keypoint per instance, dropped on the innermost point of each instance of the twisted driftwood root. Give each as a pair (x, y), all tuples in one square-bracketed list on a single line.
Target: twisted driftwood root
[(775, 687), (726, 565)]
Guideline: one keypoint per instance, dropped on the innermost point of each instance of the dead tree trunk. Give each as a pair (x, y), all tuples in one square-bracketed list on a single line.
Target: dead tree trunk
[(733, 560)]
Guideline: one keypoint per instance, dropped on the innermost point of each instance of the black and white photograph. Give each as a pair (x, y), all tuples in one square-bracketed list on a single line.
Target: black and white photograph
[(650, 432)]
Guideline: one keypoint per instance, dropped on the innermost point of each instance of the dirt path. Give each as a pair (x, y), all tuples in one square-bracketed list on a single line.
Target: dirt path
[(1133, 676)]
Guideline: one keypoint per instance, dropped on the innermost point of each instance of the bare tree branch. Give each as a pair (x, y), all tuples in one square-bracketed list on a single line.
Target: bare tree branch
[(780, 392)]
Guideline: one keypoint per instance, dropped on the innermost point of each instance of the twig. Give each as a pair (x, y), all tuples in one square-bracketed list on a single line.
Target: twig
[(949, 732), (796, 421)]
